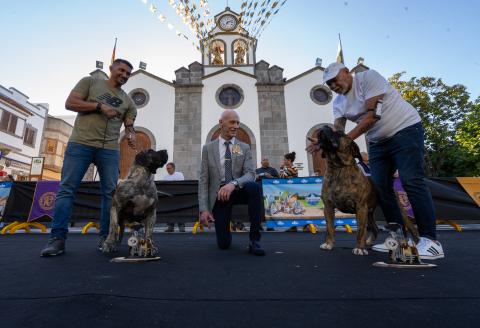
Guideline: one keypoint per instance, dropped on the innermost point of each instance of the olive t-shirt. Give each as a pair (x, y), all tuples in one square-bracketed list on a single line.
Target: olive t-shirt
[(94, 129)]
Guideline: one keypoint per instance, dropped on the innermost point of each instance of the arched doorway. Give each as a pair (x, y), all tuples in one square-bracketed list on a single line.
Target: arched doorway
[(127, 154), (244, 134), (316, 163)]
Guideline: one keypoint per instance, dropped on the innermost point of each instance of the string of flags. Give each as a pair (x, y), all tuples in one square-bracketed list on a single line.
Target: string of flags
[(255, 16)]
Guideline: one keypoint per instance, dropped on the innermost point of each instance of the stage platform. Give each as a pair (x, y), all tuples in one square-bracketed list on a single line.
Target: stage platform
[(198, 285)]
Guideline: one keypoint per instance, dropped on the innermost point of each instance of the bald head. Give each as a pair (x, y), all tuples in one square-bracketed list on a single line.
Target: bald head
[(229, 124)]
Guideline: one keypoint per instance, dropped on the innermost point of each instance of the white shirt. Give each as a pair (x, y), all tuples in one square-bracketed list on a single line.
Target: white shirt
[(176, 176), (222, 149), (397, 113)]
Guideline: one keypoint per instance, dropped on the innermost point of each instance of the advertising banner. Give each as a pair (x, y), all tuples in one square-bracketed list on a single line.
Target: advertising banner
[(297, 202)]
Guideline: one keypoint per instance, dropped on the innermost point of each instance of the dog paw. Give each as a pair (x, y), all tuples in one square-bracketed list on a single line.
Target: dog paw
[(109, 247), (326, 246), (360, 251)]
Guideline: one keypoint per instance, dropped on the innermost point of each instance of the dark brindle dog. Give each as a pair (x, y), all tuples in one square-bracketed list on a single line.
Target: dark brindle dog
[(135, 199), (347, 189)]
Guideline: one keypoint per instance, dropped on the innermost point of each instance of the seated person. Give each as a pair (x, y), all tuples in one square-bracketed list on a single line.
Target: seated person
[(287, 169)]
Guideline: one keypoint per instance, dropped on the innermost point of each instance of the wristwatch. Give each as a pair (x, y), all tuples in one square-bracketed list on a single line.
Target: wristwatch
[(98, 109), (235, 183)]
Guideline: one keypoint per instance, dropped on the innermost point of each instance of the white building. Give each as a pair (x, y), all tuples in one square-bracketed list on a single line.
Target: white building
[(21, 129), (277, 114)]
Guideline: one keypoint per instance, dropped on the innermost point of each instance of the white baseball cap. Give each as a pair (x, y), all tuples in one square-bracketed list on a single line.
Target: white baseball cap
[(332, 71)]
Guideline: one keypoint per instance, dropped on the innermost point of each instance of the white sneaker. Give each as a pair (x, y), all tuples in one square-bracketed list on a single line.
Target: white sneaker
[(429, 249), (383, 247)]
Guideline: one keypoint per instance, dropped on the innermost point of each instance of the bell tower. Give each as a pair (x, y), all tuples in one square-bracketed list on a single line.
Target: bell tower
[(228, 45)]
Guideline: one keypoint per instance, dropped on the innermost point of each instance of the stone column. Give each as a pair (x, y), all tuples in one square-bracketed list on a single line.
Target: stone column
[(187, 143), (272, 113)]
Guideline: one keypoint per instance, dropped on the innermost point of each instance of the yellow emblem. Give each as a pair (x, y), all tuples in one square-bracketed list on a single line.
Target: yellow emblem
[(237, 150), (47, 201)]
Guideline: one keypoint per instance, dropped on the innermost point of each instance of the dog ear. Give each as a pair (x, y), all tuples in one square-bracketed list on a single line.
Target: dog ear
[(355, 151)]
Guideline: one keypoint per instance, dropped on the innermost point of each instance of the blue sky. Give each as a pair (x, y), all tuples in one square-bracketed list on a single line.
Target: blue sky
[(48, 45)]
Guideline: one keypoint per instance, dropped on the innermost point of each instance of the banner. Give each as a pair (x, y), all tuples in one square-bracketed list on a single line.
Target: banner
[(44, 200), (5, 188), (297, 202), (472, 187), (402, 197)]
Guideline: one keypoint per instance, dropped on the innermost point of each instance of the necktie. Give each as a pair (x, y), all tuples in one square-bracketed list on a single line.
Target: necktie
[(228, 163)]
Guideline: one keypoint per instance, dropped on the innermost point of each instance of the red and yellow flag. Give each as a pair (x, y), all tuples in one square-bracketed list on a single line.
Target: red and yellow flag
[(113, 52)]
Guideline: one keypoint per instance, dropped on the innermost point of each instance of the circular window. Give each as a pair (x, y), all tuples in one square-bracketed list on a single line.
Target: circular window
[(321, 95), (229, 96), (140, 97)]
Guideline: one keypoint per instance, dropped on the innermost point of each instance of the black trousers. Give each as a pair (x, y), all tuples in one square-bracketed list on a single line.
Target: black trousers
[(251, 195)]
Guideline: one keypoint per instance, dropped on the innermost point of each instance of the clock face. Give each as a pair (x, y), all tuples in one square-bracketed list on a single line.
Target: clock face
[(228, 22)]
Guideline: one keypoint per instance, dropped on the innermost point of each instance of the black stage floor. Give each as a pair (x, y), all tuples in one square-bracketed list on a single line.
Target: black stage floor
[(197, 285)]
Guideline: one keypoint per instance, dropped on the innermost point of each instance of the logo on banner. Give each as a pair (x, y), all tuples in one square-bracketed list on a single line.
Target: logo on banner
[(47, 201)]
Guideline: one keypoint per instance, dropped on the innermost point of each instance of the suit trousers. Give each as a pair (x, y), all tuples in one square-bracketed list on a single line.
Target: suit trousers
[(251, 195)]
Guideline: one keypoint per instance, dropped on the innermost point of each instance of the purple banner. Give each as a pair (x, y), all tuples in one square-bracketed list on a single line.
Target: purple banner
[(402, 197), (44, 200)]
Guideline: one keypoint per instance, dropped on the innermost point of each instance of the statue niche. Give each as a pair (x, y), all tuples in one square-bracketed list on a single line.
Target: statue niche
[(217, 49), (240, 49)]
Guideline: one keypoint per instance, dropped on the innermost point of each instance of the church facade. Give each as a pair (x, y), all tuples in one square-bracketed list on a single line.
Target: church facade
[(277, 114)]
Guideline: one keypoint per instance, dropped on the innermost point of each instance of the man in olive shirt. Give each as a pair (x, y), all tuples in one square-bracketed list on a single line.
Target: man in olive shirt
[(102, 107)]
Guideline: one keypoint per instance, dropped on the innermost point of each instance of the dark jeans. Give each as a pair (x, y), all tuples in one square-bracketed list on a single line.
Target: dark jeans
[(77, 159), (250, 194), (404, 151)]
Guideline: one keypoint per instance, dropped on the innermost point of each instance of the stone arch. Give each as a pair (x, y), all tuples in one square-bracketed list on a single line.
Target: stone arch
[(315, 162), (253, 141)]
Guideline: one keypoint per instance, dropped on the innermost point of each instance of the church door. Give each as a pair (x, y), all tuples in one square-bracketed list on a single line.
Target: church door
[(319, 163), (127, 154), (241, 135)]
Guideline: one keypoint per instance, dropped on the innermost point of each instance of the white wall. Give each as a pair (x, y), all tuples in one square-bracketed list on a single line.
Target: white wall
[(303, 114), (158, 115), (248, 110)]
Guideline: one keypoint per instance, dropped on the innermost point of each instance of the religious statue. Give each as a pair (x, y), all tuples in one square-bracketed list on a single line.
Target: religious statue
[(240, 51), (217, 52)]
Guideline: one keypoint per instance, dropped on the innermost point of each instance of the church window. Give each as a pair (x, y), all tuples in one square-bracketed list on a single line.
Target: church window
[(321, 95), (140, 97), (229, 96)]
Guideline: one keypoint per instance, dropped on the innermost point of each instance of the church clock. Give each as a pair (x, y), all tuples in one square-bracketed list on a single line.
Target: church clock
[(228, 22)]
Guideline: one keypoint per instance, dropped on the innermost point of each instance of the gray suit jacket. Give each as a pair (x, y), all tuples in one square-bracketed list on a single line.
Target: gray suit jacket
[(210, 176)]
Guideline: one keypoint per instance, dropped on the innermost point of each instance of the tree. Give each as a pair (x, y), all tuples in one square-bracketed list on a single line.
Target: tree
[(451, 123)]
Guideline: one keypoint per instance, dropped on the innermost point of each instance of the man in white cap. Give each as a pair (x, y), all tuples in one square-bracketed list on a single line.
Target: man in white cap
[(395, 137)]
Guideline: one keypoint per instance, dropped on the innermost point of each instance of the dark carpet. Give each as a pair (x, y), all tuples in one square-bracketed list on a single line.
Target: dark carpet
[(197, 285)]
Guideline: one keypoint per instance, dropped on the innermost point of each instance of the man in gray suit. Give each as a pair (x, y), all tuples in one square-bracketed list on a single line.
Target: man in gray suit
[(227, 178)]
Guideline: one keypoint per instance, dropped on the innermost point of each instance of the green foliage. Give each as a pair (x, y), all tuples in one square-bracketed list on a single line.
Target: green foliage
[(451, 122)]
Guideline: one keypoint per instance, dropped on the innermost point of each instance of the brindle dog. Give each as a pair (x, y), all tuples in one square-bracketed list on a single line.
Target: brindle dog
[(348, 190), (135, 199)]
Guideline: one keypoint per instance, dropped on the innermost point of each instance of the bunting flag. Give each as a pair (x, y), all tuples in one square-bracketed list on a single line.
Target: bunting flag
[(113, 52), (269, 16), (255, 16), (340, 58)]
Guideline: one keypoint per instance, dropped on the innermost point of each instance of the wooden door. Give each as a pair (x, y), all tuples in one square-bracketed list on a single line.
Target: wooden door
[(241, 135), (127, 154)]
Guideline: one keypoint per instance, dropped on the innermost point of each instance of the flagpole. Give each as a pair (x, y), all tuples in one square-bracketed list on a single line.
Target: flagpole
[(341, 47), (113, 52)]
